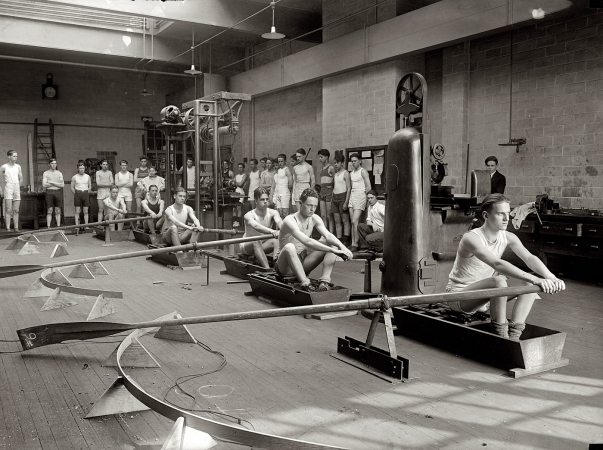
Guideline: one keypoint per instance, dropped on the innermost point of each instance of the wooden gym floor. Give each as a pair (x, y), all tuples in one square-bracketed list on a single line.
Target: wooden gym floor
[(280, 377)]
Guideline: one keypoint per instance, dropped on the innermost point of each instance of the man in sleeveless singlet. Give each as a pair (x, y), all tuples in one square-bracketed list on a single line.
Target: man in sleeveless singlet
[(254, 181), (258, 221), (361, 184), (139, 174), (326, 188), (267, 178), (124, 180), (295, 239), (81, 185), (341, 198), (240, 180), (478, 265), (114, 207), (53, 182), (153, 207), (175, 230), (104, 181), (303, 177), (12, 178), (283, 181)]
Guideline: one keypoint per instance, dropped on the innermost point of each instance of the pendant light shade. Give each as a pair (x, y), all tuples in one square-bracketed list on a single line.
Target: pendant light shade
[(273, 34), (193, 70)]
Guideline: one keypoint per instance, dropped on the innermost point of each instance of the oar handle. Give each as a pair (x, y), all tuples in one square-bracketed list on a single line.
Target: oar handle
[(158, 251), (371, 303)]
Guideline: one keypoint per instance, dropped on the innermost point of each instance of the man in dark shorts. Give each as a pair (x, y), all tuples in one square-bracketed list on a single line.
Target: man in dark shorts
[(53, 182), (81, 185)]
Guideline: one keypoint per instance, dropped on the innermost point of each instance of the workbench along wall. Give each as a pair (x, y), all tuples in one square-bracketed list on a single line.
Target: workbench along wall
[(102, 111)]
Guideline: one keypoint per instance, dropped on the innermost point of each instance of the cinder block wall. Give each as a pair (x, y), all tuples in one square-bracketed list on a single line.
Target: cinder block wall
[(98, 110), (359, 106), (557, 106), (284, 121)]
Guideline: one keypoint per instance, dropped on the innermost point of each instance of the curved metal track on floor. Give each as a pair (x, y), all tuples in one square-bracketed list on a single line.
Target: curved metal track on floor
[(75, 289), (211, 427)]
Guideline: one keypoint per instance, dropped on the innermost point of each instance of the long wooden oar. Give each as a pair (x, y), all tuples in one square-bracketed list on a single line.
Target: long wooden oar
[(102, 223), (55, 333), (12, 271), (220, 231)]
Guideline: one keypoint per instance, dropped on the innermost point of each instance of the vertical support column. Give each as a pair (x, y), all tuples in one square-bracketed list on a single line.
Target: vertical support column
[(455, 111), (168, 169), (197, 150), (216, 167)]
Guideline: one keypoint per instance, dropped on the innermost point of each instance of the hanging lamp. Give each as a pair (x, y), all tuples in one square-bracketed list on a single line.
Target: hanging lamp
[(273, 34), (193, 70)]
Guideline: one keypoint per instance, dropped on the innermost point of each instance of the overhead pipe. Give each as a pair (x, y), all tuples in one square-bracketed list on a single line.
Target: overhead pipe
[(91, 66)]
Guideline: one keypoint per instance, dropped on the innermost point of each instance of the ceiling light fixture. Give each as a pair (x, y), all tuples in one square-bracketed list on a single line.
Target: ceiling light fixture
[(144, 92), (273, 34), (192, 70)]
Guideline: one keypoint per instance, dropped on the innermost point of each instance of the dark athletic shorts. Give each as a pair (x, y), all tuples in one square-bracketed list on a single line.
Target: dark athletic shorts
[(81, 199), (54, 198), (337, 204), (326, 194)]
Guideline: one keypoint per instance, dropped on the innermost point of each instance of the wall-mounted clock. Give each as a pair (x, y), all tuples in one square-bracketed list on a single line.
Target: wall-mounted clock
[(49, 90)]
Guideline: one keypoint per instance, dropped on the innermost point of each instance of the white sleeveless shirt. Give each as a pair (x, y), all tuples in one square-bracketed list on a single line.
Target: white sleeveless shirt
[(466, 271)]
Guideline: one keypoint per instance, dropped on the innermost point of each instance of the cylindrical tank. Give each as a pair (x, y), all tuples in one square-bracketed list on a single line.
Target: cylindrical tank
[(406, 234)]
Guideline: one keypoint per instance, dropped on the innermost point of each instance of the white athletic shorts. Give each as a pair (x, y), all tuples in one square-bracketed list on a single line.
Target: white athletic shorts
[(12, 191)]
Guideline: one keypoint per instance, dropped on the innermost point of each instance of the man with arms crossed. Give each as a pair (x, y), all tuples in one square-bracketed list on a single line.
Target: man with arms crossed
[(52, 181), (104, 181), (153, 207), (12, 179), (114, 207), (478, 265), (258, 221), (81, 185), (152, 179), (295, 240), (326, 188), (175, 229)]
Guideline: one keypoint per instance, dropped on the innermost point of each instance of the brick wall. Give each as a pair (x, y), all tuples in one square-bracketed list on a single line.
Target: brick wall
[(557, 107), (102, 108), (359, 106)]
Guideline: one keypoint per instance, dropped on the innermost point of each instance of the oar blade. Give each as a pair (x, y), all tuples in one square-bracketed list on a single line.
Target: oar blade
[(55, 333), (13, 271)]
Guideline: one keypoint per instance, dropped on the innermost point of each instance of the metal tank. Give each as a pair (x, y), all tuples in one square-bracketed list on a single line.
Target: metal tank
[(408, 177)]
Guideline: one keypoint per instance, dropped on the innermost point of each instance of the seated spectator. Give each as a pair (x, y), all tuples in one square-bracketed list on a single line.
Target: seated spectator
[(370, 234)]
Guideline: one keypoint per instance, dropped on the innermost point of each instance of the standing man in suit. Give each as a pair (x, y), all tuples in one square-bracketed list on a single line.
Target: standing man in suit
[(498, 182)]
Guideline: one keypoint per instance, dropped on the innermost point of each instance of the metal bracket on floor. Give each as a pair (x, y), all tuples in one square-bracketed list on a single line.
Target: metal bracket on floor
[(386, 365)]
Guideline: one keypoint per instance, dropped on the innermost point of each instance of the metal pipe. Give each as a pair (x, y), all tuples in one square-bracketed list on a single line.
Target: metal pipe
[(216, 167), (197, 150), (92, 66)]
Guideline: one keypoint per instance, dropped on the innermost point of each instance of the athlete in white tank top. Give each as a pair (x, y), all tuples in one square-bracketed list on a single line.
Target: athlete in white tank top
[(478, 266), (258, 221)]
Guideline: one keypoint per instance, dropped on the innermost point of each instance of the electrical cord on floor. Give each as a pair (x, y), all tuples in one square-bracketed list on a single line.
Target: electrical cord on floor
[(186, 378)]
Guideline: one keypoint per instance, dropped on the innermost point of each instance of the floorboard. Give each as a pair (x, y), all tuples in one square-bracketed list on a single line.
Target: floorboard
[(280, 377)]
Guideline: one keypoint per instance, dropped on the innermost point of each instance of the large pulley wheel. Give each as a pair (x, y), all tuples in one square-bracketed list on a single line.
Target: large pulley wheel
[(409, 95)]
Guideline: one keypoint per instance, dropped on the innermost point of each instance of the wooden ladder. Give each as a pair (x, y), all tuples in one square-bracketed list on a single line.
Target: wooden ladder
[(44, 151)]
